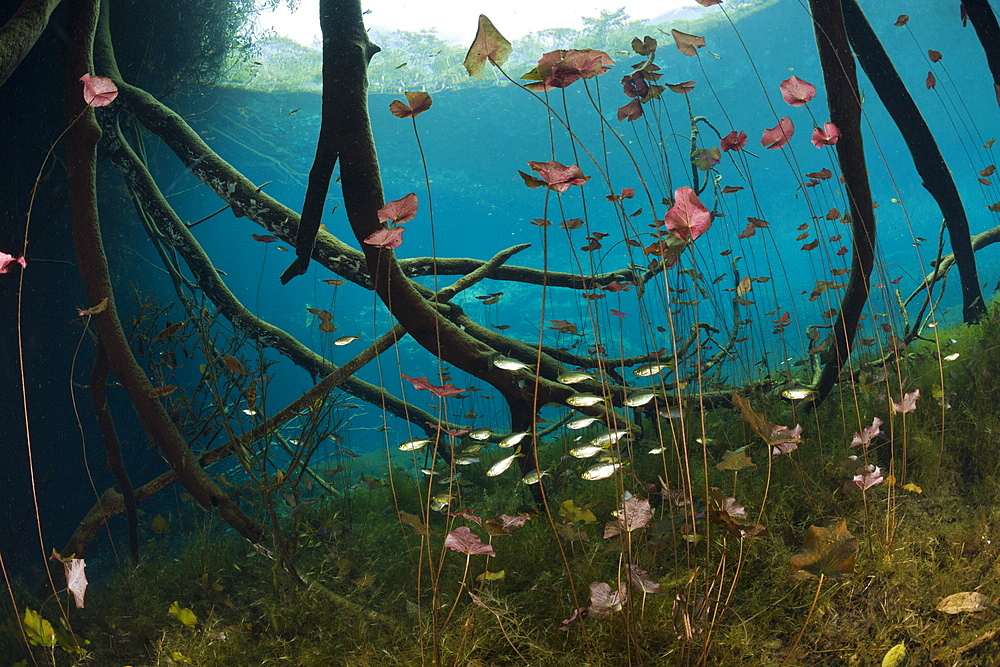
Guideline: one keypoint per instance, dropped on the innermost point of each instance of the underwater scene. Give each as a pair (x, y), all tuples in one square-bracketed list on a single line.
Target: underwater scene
[(652, 340)]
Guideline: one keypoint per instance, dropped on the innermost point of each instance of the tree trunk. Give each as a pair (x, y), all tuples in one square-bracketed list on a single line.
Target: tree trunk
[(927, 158)]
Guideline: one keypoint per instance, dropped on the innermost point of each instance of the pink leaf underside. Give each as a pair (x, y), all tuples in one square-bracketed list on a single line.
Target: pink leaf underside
[(868, 433), (386, 238), (633, 514), (400, 210), (98, 91), (604, 600), (687, 44), (490, 45), (6, 260), (631, 111), (559, 177), (76, 579), (463, 540), (908, 404), (779, 135), (797, 92), (641, 581), (416, 104), (688, 218), (734, 141), (558, 69), (708, 3), (865, 478), (828, 136), (422, 384)]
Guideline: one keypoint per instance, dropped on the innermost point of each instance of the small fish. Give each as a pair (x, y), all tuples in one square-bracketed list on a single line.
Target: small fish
[(508, 364), (248, 412), (472, 449), (586, 451), (512, 439), (443, 498), (798, 394), (572, 377), (437, 506), (480, 434), (429, 472), (609, 437), (584, 400), (501, 466), (414, 444), (601, 471), (581, 422), (652, 368), (293, 441), (294, 111), (656, 450), (400, 66), (346, 340), (671, 412), (636, 400), (466, 460), (534, 476), (951, 357), (708, 442)]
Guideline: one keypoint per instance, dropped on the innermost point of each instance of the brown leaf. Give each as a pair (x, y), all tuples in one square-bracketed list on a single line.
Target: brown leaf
[(490, 45), (827, 551), (414, 522)]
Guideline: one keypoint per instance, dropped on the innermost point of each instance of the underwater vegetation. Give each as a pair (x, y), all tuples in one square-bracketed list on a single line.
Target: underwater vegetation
[(642, 353)]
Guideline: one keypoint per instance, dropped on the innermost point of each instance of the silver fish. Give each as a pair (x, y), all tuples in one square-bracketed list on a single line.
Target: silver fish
[(508, 364), (534, 476), (501, 466), (572, 377), (584, 400), (414, 444), (652, 368), (636, 400), (586, 451), (466, 460), (512, 439), (480, 434), (609, 437), (346, 340), (798, 394), (601, 471), (581, 422)]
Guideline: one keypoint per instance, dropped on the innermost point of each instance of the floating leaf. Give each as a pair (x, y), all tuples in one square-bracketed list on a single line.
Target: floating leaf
[(633, 514), (422, 384), (555, 176), (386, 238), (896, 656), (797, 92), (463, 540), (98, 91), (414, 522), (963, 603), (688, 218), (735, 461), (417, 103), (828, 550), (569, 511), (399, 210), (687, 44), (779, 135), (908, 404), (165, 390), (490, 45), (182, 614), (734, 141), (233, 364), (76, 579)]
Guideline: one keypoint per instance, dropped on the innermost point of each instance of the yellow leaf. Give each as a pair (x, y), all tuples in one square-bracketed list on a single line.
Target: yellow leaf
[(910, 486), (182, 614), (744, 286), (896, 656)]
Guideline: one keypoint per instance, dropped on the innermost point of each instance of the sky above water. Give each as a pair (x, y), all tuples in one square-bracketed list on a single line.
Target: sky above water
[(457, 24)]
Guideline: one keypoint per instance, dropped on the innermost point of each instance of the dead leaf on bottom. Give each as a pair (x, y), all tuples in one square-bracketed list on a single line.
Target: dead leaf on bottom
[(966, 602)]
